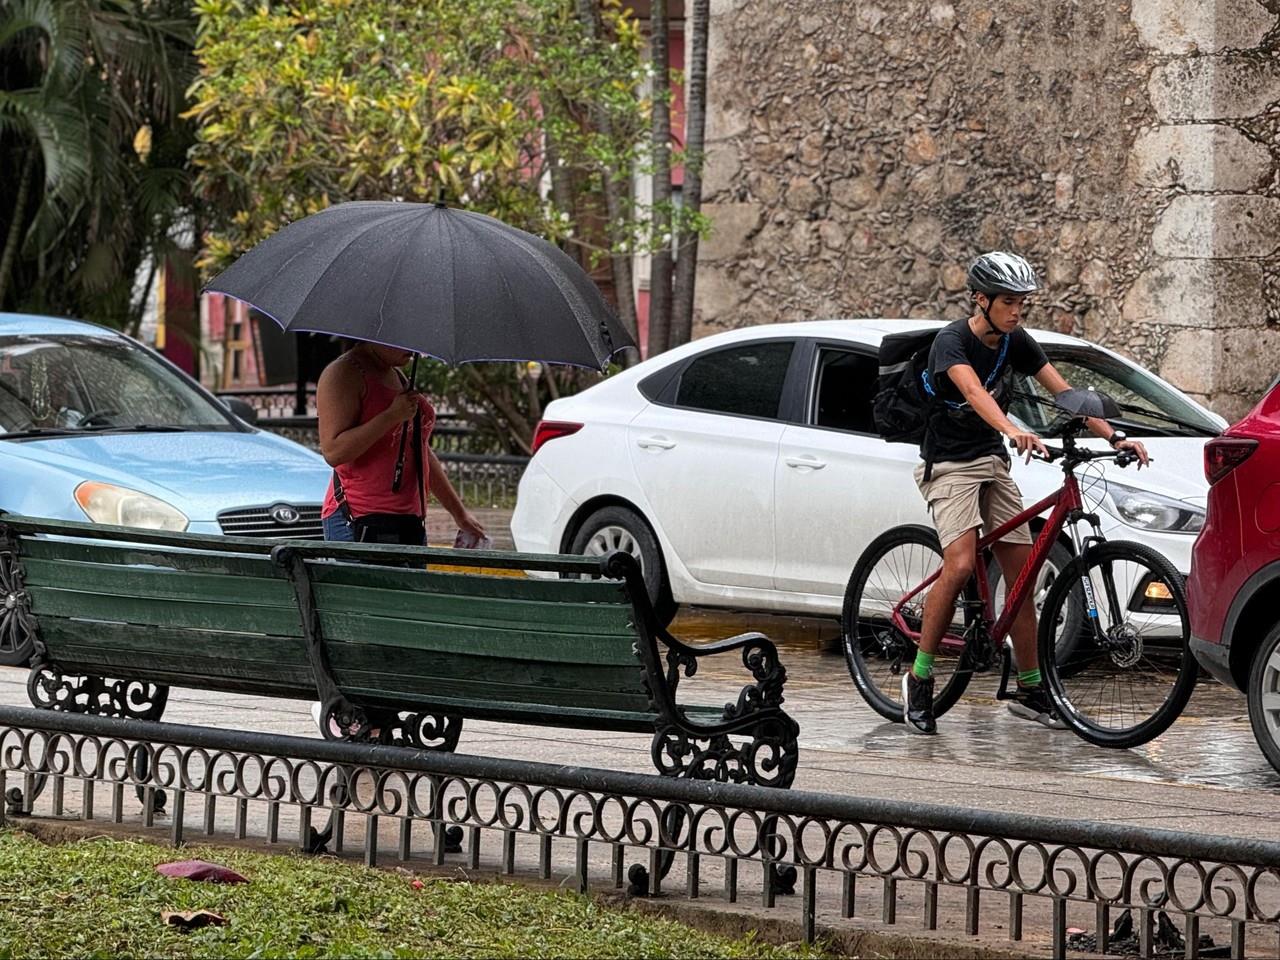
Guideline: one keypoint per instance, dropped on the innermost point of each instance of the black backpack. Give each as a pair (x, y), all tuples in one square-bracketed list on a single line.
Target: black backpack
[(903, 404), (905, 397)]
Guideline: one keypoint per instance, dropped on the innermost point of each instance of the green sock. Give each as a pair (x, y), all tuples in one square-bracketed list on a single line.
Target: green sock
[(1029, 678), (923, 667)]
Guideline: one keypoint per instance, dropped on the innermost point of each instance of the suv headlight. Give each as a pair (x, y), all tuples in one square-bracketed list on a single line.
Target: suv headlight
[(1151, 511), (122, 507)]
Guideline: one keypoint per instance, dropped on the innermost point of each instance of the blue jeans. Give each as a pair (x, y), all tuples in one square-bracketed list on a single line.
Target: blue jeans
[(337, 527)]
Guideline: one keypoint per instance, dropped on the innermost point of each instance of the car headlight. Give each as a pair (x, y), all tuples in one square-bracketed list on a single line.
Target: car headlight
[(122, 507), (1151, 511)]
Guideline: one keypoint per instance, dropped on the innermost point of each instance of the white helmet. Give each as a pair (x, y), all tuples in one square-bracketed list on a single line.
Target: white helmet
[(1000, 272)]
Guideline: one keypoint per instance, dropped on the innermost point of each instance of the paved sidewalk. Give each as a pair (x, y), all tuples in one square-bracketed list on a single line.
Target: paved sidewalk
[(1205, 775)]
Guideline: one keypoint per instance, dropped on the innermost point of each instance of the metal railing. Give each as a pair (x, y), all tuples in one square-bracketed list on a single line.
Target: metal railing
[(481, 477), (896, 863)]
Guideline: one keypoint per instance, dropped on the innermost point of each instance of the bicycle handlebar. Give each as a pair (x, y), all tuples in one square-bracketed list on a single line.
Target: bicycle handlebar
[(1123, 458)]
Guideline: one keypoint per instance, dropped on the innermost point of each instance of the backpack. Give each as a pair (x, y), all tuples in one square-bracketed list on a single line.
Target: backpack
[(905, 397), (902, 404)]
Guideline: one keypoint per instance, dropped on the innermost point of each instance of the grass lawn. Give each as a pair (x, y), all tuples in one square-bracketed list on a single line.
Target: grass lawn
[(102, 897)]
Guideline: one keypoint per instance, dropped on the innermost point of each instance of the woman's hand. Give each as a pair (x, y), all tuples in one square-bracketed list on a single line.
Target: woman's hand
[(467, 523), (403, 407)]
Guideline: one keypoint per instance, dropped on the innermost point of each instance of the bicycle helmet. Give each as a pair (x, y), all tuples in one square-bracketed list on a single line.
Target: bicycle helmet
[(1000, 272)]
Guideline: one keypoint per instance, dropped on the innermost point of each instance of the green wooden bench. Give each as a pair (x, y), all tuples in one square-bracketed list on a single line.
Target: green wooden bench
[(400, 645)]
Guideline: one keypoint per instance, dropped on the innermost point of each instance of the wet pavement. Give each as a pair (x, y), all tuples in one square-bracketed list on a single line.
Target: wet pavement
[(1205, 774)]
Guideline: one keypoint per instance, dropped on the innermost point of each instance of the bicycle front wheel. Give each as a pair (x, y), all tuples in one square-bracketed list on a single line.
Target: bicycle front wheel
[(877, 652), (1131, 672)]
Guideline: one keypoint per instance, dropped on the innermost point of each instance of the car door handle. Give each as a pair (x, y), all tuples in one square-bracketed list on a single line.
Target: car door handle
[(655, 443), (812, 463)]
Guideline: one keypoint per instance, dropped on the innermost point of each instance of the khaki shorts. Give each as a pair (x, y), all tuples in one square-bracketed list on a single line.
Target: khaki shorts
[(974, 493)]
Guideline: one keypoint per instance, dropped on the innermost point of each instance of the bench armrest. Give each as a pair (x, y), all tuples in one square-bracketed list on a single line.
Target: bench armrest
[(759, 656)]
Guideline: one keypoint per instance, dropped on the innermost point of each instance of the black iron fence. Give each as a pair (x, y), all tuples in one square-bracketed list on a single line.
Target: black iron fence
[(912, 866), (481, 475)]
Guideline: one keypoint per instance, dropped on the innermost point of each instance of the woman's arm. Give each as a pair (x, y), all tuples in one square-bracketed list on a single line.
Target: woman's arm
[(338, 399), (438, 483)]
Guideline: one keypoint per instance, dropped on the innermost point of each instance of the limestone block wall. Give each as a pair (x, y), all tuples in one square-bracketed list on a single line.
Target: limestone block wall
[(860, 154)]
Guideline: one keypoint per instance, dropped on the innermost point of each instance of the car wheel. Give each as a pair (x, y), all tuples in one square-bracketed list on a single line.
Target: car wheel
[(1264, 696), (16, 629), (617, 528), (1071, 625)]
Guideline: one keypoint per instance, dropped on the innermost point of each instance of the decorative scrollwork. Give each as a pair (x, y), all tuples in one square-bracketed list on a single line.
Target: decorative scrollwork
[(424, 731), (49, 689), (767, 759)]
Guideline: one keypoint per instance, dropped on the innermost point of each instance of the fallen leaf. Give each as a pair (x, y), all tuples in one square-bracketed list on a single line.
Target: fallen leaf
[(186, 920), (417, 884), (200, 870)]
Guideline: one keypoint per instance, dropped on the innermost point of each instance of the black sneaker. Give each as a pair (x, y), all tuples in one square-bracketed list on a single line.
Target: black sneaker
[(917, 694), (1034, 703)]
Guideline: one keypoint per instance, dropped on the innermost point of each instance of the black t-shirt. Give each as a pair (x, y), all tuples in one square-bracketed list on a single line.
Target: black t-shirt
[(957, 432)]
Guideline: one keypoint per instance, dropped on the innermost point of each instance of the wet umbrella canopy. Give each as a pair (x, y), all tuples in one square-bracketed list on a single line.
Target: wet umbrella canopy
[(431, 279)]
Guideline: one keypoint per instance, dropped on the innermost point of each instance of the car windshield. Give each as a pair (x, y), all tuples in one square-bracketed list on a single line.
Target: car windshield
[(1149, 408), (56, 385)]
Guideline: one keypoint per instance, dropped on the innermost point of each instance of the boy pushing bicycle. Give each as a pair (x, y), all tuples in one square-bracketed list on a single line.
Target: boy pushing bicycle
[(964, 476)]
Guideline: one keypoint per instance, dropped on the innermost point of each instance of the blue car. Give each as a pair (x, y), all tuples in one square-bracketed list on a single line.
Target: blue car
[(95, 426)]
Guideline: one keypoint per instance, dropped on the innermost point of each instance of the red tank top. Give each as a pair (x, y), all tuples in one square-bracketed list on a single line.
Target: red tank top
[(366, 480)]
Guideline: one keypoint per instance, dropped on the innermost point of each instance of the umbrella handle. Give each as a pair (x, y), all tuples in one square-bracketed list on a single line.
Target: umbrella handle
[(404, 433)]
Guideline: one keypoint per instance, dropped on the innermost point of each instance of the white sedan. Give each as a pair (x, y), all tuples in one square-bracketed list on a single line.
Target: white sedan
[(744, 470)]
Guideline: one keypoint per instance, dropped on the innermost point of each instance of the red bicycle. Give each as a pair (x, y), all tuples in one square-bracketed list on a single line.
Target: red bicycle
[(1113, 626)]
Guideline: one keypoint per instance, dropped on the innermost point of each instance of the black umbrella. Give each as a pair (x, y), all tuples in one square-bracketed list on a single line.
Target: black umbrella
[(431, 279), (428, 278)]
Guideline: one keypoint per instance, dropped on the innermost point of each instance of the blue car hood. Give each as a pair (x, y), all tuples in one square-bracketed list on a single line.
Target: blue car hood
[(200, 473)]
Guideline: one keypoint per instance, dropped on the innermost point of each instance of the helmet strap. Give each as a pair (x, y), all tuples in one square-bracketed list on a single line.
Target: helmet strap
[(986, 314)]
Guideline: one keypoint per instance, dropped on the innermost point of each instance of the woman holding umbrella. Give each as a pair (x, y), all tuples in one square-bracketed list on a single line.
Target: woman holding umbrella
[(378, 494)]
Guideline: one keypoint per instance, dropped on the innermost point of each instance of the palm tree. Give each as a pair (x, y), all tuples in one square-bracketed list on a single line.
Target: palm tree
[(92, 142), (660, 260), (695, 127)]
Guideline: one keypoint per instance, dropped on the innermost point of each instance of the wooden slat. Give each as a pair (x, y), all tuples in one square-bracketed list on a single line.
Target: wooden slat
[(202, 673), (469, 611), (159, 584), (515, 643), (583, 717), (130, 555), (557, 682), (195, 614), (452, 688), (471, 585), (269, 653)]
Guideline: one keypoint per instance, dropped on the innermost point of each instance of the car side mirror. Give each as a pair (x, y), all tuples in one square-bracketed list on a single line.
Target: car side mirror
[(245, 411)]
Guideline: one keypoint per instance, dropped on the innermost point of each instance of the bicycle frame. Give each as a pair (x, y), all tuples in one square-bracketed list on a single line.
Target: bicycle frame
[(1065, 501)]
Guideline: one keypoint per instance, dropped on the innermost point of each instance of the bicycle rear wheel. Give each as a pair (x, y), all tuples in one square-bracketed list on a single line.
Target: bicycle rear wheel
[(1133, 673), (877, 653)]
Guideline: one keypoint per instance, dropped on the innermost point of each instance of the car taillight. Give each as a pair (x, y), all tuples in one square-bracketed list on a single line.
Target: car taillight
[(1224, 454), (551, 430)]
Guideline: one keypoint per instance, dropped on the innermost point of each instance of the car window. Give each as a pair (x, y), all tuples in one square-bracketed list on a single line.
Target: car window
[(745, 380), (1149, 407), (844, 390), (71, 383)]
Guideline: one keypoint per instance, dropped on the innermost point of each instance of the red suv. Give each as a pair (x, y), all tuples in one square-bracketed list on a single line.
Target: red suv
[(1234, 588)]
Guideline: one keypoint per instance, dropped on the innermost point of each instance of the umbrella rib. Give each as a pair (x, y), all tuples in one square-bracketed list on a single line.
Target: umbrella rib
[(404, 249), (506, 285), (567, 291), (325, 272)]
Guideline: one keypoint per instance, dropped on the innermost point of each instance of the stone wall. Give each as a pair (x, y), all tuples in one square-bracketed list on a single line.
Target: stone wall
[(861, 154)]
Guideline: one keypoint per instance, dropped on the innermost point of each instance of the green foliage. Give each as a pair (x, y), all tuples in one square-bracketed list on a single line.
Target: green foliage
[(92, 150), (103, 898), (306, 103)]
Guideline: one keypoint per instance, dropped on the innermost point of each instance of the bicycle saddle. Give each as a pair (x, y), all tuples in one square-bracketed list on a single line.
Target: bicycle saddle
[(1087, 403)]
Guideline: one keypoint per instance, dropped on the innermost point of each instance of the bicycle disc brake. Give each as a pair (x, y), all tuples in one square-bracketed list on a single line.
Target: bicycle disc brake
[(1124, 646)]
